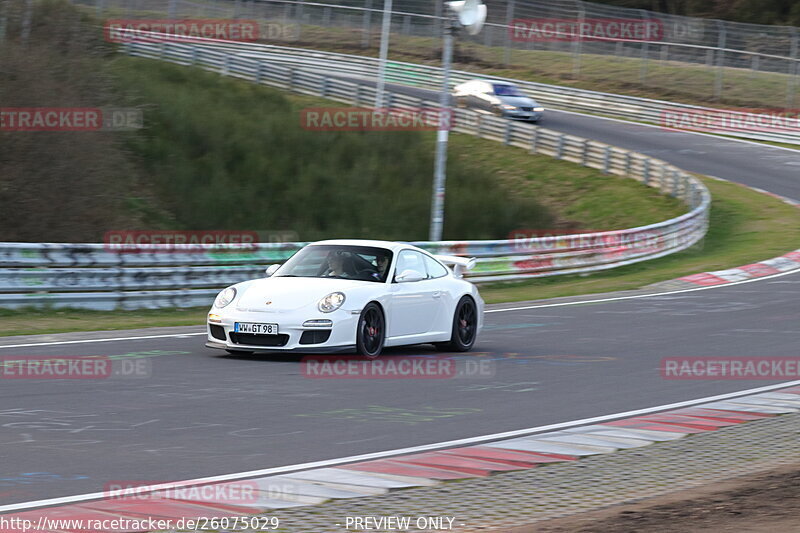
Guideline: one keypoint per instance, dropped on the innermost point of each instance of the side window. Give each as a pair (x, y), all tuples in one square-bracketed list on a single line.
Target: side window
[(409, 260), (435, 269)]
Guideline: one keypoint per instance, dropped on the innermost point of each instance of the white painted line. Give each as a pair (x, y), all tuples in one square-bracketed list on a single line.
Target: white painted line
[(562, 304), (639, 296), (113, 339), (402, 451)]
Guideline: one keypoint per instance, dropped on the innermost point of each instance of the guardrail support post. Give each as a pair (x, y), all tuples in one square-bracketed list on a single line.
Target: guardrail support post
[(674, 192), (195, 52), (585, 152), (607, 160), (627, 163), (507, 134), (534, 140), (323, 91), (646, 173), (560, 147), (226, 66), (259, 72)]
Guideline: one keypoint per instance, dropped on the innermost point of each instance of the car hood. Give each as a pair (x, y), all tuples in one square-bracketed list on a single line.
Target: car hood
[(287, 294), (518, 101)]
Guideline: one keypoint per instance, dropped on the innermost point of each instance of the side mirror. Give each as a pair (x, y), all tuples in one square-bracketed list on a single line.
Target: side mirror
[(408, 276), (271, 270)]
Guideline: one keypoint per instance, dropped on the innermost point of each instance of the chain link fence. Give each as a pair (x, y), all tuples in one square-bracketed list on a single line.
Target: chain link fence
[(724, 58)]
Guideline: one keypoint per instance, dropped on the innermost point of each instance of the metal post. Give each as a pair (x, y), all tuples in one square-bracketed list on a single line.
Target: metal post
[(173, 9), (366, 25), (720, 60), (577, 42), (509, 19), (384, 52), (645, 54), (792, 84), (26, 21), (3, 19), (437, 202)]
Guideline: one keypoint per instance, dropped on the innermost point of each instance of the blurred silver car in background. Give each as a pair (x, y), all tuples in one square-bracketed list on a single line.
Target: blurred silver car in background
[(497, 97)]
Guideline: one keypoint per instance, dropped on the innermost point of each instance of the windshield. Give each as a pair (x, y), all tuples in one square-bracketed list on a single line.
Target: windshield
[(506, 90), (335, 261)]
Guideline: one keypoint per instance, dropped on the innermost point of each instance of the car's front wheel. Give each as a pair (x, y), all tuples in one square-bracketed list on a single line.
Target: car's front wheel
[(465, 327), (371, 331)]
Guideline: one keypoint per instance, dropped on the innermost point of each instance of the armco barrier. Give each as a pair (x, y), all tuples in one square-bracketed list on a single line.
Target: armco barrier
[(93, 276)]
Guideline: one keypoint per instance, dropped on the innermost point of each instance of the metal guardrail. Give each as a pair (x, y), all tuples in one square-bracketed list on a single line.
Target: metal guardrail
[(755, 126), (94, 276)]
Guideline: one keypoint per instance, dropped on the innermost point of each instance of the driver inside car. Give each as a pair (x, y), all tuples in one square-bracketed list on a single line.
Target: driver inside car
[(336, 266)]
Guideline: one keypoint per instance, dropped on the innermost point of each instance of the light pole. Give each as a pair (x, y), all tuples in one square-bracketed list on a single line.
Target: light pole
[(384, 52), (471, 16), (442, 135)]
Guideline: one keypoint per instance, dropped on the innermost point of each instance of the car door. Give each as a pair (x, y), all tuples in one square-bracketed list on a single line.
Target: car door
[(415, 305)]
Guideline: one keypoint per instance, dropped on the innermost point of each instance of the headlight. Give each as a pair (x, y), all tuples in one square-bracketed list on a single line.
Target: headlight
[(225, 297), (509, 107), (331, 302), (538, 109)]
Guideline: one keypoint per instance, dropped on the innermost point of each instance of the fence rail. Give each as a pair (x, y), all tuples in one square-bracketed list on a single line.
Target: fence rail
[(96, 276), (716, 46)]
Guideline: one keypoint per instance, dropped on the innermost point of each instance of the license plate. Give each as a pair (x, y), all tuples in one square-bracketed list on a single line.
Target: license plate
[(255, 329)]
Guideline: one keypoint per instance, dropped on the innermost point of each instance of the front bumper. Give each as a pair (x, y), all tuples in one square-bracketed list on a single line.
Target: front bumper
[(341, 337), (533, 116)]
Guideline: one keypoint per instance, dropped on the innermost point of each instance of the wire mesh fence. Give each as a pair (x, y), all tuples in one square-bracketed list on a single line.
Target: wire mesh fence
[(639, 47)]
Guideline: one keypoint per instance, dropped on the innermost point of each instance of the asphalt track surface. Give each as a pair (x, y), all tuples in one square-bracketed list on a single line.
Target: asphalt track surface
[(198, 414)]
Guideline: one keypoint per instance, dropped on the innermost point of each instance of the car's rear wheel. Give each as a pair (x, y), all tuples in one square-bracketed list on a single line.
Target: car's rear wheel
[(465, 327), (371, 332)]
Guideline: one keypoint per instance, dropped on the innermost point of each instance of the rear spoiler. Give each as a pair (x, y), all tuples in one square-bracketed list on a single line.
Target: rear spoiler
[(459, 264)]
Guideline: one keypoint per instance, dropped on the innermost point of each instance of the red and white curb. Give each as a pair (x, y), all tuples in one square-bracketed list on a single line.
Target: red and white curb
[(784, 263), (376, 477), (777, 265)]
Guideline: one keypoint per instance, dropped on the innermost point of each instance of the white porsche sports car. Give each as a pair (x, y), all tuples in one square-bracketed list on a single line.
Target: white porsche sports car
[(346, 295)]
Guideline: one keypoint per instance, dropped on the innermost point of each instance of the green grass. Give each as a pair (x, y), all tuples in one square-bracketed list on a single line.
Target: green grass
[(225, 153), (746, 227)]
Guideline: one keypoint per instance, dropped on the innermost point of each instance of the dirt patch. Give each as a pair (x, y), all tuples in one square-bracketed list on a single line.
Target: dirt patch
[(760, 503)]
